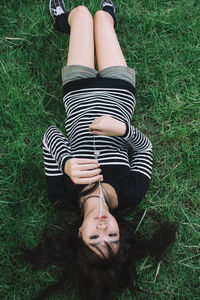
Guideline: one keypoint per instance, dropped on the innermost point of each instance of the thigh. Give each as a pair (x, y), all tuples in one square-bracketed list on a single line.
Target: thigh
[(119, 72), (76, 72), (108, 50), (81, 43)]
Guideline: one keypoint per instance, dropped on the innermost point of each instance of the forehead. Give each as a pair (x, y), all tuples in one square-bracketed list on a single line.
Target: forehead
[(104, 247)]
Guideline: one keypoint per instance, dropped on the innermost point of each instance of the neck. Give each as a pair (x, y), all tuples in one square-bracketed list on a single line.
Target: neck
[(84, 199)]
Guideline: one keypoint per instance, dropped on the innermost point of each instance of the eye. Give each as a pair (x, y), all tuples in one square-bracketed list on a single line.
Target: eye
[(112, 234), (93, 237)]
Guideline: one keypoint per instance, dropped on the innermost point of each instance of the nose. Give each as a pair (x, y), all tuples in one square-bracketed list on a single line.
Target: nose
[(102, 225)]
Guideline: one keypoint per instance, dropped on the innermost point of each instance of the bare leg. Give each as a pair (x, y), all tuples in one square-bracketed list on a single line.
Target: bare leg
[(108, 50), (81, 44)]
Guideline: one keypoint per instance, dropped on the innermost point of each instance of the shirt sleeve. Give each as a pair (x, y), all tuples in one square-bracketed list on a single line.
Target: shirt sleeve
[(56, 151), (140, 165), (142, 157)]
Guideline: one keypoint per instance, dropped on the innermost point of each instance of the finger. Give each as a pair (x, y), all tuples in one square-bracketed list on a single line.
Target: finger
[(89, 180), (85, 174), (96, 120), (95, 128), (87, 167), (90, 173), (95, 125), (86, 161), (98, 132)]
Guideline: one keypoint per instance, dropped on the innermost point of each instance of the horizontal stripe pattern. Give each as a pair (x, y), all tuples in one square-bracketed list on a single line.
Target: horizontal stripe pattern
[(82, 107), (56, 150), (142, 162)]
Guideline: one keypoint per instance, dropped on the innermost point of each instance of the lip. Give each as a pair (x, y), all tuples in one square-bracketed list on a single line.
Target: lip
[(102, 217)]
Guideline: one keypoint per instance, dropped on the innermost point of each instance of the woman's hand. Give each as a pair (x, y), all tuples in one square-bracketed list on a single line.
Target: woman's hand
[(83, 171), (108, 126)]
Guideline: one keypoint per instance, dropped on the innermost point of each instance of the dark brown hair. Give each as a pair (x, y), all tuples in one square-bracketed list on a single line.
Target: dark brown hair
[(96, 277)]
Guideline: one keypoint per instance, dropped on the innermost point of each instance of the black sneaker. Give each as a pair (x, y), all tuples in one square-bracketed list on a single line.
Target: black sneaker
[(58, 12), (57, 8), (108, 6), (105, 3)]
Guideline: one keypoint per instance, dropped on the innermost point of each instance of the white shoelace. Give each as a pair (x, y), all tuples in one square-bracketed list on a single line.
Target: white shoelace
[(58, 11)]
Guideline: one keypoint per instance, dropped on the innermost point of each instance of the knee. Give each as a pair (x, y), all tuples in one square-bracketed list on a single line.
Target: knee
[(83, 11), (101, 15)]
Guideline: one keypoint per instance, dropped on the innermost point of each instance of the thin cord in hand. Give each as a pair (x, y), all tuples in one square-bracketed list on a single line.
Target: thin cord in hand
[(101, 199)]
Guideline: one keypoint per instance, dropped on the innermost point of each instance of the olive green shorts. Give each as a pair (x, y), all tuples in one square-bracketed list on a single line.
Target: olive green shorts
[(76, 72)]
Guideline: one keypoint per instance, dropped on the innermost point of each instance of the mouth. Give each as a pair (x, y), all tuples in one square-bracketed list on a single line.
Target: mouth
[(102, 217)]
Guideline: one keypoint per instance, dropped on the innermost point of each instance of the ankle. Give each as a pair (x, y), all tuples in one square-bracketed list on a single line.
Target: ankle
[(61, 23)]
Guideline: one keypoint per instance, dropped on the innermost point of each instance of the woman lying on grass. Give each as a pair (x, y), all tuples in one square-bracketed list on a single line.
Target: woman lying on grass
[(91, 170)]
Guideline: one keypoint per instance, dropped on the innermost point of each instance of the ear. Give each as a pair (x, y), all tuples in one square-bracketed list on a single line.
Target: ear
[(80, 232)]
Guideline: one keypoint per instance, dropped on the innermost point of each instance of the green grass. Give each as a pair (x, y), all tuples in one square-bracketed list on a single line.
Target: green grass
[(161, 41)]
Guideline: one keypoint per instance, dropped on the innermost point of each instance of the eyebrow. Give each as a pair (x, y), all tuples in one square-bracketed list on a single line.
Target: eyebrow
[(95, 244)]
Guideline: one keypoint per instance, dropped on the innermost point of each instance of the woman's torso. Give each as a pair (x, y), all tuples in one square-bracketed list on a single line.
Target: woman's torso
[(82, 107)]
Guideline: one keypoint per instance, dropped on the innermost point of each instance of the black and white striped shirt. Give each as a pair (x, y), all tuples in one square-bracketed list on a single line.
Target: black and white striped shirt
[(84, 101)]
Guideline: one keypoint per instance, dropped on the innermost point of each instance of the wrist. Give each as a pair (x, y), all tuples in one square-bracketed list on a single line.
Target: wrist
[(65, 166), (124, 130)]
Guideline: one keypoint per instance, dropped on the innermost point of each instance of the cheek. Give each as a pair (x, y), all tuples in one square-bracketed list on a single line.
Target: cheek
[(115, 228), (114, 225), (87, 229)]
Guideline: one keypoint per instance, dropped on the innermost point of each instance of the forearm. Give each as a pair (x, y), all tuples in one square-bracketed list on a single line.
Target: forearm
[(137, 140), (57, 146), (142, 157)]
